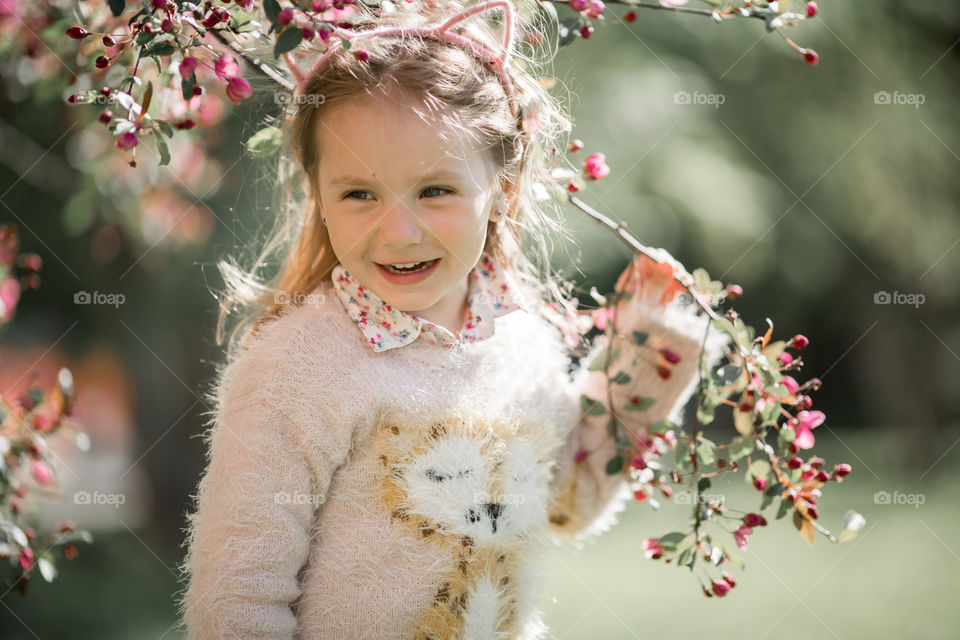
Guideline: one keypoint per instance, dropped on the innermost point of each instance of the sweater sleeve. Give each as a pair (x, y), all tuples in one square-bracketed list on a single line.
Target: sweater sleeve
[(250, 533), (662, 375)]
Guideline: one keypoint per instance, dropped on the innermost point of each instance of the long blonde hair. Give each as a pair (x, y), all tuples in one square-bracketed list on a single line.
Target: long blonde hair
[(455, 86)]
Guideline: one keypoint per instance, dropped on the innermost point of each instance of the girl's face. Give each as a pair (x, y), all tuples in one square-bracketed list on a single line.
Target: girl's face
[(393, 192)]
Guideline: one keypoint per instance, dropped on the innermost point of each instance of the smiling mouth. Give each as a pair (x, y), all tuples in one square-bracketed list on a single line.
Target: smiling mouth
[(419, 266)]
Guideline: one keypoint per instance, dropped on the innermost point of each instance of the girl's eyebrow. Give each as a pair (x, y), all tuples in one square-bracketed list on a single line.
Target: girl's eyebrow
[(435, 175)]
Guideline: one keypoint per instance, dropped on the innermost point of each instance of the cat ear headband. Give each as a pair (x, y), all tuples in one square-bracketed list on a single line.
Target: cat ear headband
[(439, 31)]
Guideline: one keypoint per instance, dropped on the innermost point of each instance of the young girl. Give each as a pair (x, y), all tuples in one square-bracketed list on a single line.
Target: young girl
[(398, 437)]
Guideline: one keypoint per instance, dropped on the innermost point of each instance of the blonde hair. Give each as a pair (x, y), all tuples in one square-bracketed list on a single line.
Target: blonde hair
[(456, 87)]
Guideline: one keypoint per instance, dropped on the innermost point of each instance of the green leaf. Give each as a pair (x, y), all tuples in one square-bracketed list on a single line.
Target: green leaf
[(727, 374), (706, 451), (735, 559), (272, 9), (663, 425), (740, 447), (600, 362), (345, 43), (160, 48), (620, 378), (165, 128), (671, 540), (186, 87), (701, 279), (116, 7), (643, 403), (568, 29), (614, 465), (591, 407), (725, 325), (784, 509), (703, 484), (288, 40), (759, 469), (787, 435), (706, 413), (265, 142), (640, 338), (162, 148), (47, 570)]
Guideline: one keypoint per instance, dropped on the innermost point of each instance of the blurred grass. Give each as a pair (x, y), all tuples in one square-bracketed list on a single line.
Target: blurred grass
[(899, 577)]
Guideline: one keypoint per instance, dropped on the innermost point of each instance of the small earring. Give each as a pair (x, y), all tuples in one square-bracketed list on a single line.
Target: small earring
[(499, 212)]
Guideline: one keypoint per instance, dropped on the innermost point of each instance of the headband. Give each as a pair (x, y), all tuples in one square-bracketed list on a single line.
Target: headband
[(438, 31)]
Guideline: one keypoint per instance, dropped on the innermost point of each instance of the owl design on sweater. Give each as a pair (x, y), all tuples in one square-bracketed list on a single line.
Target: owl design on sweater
[(481, 490)]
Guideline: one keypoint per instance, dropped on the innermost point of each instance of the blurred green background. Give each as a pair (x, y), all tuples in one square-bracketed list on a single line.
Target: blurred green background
[(803, 184)]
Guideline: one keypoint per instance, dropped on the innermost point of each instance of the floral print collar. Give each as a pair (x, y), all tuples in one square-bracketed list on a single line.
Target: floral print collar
[(491, 293)]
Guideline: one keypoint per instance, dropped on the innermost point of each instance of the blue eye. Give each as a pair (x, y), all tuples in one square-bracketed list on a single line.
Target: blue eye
[(443, 190)]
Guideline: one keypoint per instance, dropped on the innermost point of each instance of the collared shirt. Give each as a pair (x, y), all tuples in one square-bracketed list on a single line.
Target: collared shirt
[(491, 293)]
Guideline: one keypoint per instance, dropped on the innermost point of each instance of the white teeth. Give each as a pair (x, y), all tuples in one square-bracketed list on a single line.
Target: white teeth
[(405, 266)]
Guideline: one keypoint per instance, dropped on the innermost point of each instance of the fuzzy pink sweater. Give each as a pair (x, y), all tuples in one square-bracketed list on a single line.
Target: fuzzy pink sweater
[(408, 493)]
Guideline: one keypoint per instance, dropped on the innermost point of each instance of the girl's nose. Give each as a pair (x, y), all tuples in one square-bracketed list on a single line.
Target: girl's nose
[(400, 226)]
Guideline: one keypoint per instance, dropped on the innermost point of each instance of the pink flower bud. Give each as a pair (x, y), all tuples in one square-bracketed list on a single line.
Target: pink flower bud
[(77, 33), (799, 341), (308, 34), (760, 483), (754, 520), (816, 462), (595, 168), (70, 552), (578, 5), (186, 124), (638, 462), (187, 66), (811, 57), (720, 587), (320, 5), (841, 470), (795, 462), (41, 471), (238, 89), (663, 372), (580, 455), (812, 512), (734, 291), (575, 146), (652, 549), (666, 490), (823, 476), (26, 558), (791, 384), (127, 141), (671, 356), (596, 8), (361, 55), (166, 25), (630, 16), (785, 358), (572, 187), (639, 495), (811, 9), (102, 62), (585, 31), (108, 41), (285, 17)]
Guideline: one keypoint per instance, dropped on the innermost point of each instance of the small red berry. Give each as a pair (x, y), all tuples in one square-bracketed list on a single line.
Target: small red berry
[(585, 31), (811, 9), (102, 62), (106, 116), (671, 356)]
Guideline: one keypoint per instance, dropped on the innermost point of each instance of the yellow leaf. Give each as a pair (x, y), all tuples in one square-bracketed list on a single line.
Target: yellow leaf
[(846, 534), (807, 532), (743, 421)]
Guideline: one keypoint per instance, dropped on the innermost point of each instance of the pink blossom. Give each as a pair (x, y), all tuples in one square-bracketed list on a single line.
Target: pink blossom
[(720, 587), (226, 67), (9, 295), (651, 549), (741, 535), (791, 384), (807, 421), (238, 89), (595, 166), (127, 140)]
